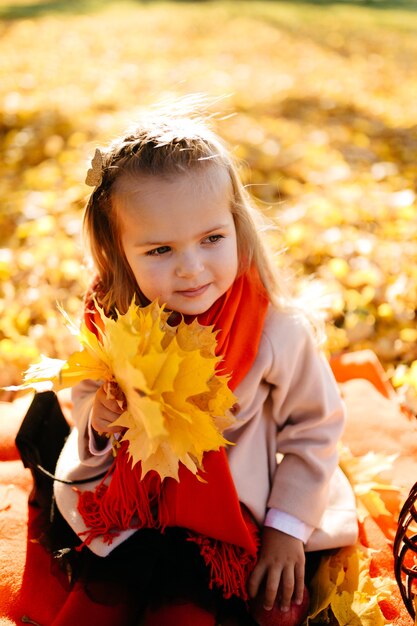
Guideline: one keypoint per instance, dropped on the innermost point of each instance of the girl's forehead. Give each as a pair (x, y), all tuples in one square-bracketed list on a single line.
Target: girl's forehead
[(210, 178), (158, 209)]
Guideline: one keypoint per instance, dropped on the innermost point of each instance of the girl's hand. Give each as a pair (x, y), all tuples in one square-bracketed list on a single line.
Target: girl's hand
[(107, 407), (280, 566)]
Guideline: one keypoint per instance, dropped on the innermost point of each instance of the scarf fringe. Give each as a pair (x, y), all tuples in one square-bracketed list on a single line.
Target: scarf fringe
[(229, 565), (128, 502)]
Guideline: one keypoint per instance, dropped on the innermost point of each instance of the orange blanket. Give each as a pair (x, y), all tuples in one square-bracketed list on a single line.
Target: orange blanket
[(27, 588)]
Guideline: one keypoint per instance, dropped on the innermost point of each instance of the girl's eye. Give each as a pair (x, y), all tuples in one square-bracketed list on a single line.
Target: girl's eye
[(158, 251), (213, 238)]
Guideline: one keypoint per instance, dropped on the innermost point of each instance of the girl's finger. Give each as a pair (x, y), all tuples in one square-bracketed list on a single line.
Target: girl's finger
[(299, 584), (107, 403), (271, 589), (104, 421), (255, 580), (287, 588)]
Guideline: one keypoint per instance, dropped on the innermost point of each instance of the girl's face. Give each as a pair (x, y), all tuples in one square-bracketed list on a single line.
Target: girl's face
[(179, 237)]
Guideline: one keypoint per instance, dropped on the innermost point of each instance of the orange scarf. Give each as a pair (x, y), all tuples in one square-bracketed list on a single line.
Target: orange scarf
[(210, 510)]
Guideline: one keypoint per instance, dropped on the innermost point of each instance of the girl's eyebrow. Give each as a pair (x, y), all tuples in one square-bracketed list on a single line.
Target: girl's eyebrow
[(145, 244)]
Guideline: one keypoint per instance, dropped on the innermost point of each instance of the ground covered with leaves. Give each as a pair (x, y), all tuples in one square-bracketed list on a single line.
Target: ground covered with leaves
[(324, 96)]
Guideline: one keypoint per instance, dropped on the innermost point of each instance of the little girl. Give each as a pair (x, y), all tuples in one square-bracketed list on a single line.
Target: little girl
[(169, 220)]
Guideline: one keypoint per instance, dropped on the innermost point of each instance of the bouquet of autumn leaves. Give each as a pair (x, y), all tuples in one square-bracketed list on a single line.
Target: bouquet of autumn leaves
[(176, 405)]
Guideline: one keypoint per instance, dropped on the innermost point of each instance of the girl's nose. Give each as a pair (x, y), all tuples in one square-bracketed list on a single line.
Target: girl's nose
[(189, 265)]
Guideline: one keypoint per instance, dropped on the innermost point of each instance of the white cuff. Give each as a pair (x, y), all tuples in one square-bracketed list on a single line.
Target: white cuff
[(288, 524)]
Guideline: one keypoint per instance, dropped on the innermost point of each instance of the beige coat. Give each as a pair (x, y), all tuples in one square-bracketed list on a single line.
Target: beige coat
[(288, 425)]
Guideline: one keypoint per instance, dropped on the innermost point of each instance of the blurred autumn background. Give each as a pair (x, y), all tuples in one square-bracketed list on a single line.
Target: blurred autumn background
[(324, 97)]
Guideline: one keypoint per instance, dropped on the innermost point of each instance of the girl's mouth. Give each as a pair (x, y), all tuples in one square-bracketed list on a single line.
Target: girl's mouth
[(194, 292)]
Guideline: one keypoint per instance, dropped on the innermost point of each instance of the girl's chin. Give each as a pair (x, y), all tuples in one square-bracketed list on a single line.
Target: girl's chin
[(180, 308), (190, 310), (190, 306), (177, 311)]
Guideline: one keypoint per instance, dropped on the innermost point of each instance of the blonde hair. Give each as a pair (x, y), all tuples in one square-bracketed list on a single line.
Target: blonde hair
[(164, 145)]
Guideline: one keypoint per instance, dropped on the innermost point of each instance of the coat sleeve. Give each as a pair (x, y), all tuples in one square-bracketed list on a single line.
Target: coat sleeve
[(310, 416), (83, 398)]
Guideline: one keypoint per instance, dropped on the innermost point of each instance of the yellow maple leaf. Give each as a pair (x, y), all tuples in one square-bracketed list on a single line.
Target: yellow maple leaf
[(360, 607), (343, 584), (90, 362), (177, 406), (364, 473), (337, 572), (362, 610)]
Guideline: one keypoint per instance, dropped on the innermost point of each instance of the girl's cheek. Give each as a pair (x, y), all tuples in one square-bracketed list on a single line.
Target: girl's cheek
[(228, 255), (149, 275)]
